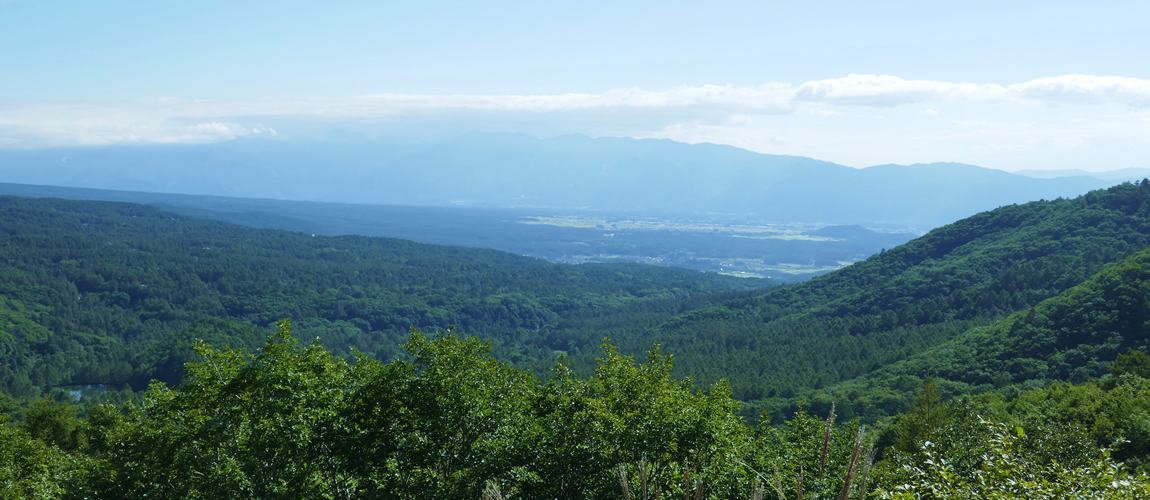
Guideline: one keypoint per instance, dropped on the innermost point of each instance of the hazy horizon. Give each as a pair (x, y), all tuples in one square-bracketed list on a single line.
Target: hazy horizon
[(1025, 86)]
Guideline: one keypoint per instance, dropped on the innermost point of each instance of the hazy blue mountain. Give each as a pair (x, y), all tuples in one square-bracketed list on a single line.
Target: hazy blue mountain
[(244, 168), (921, 194), (1120, 175), (509, 170), (851, 231)]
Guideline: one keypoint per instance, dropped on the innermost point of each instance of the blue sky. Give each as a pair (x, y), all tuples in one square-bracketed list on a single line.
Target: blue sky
[(1007, 85)]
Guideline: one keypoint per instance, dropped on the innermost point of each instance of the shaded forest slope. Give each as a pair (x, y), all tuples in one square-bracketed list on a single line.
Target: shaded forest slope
[(113, 293), (1073, 337)]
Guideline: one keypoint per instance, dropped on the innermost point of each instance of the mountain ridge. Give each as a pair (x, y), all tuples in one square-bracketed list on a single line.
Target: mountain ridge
[(510, 170)]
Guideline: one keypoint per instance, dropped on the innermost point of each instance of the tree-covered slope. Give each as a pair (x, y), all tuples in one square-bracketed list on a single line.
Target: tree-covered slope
[(112, 293), (106, 293), (899, 303), (1072, 337)]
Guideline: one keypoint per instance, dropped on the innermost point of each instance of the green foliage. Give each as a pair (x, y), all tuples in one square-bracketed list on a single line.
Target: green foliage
[(463, 419), (33, 469), (1112, 413), (53, 422), (655, 430), (244, 425), (928, 413), (1134, 362), (998, 465), (806, 454), (294, 421)]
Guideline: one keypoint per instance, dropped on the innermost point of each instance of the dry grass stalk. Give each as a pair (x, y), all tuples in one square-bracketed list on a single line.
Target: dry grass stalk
[(623, 482), (643, 477), (778, 483), (687, 480), (491, 491), (828, 433), (852, 469), (865, 472), (799, 486)]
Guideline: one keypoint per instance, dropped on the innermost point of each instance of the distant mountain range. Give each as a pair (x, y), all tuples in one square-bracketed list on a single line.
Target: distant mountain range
[(1120, 175), (507, 170)]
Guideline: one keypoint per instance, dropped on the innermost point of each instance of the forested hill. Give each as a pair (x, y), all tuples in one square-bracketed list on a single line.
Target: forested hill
[(113, 293), (898, 303), (1072, 337)]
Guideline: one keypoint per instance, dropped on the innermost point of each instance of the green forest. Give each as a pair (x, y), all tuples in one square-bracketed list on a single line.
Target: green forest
[(113, 294), (151, 355)]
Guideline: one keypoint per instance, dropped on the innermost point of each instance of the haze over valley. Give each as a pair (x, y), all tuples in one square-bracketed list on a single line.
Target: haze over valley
[(569, 199)]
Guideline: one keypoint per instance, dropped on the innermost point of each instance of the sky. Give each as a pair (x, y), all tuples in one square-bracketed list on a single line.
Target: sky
[(1009, 85)]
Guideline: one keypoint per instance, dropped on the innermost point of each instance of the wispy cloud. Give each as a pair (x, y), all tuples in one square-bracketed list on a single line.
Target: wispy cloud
[(886, 90), (770, 98), (132, 123), (1084, 89), (175, 120)]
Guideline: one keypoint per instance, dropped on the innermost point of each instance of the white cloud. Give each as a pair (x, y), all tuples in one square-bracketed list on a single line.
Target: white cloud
[(722, 108), (85, 125), (770, 98), (740, 120), (1084, 89), (887, 90)]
